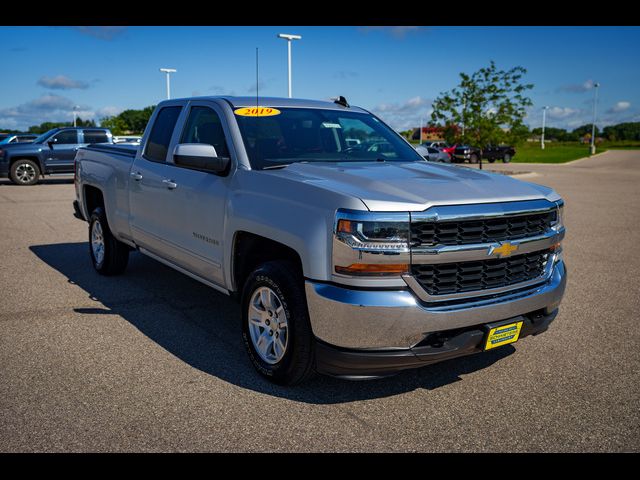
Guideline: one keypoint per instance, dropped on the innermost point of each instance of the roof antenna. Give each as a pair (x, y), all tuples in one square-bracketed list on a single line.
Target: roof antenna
[(257, 111), (341, 101)]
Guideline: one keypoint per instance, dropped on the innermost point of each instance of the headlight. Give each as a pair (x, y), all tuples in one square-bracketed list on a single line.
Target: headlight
[(371, 244), (558, 223), (373, 235)]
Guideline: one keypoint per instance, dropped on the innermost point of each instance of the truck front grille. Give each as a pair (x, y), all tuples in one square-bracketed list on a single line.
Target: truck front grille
[(464, 232), (448, 278)]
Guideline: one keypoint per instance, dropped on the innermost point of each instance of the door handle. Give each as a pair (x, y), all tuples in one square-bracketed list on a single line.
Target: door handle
[(170, 184), (137, 176)]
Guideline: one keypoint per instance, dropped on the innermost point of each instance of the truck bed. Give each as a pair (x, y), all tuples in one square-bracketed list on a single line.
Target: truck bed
[(128, 150)]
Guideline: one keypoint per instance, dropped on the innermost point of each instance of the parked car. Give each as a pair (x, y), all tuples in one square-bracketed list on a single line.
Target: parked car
[(435, 144), (350, 262), (17, 138), (498, 152), (50, 153), (127, 139), (466, 153), (490, 152), (433, 154)]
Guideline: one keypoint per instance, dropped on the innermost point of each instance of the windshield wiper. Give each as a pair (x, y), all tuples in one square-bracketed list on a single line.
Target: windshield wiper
[(280, 165)]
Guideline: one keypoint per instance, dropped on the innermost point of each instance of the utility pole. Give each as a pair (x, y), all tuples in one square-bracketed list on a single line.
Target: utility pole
[(289, 37), (168, 71), (544, 114), (593, 126)]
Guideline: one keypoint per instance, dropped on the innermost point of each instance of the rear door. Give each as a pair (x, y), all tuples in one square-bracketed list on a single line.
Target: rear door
[(148, 190), (59, 155)]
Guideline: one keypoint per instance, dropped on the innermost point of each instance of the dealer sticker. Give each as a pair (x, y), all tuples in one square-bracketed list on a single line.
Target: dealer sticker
[(503, 335), (256, 111)]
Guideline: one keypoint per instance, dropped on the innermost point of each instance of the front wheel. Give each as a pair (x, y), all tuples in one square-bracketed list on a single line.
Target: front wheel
[(275, 323), (109, 255), (506, 158), (24, 172)]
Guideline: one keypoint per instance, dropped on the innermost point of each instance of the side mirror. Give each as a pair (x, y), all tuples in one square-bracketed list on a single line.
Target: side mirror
[(52, 142), (200, 156)]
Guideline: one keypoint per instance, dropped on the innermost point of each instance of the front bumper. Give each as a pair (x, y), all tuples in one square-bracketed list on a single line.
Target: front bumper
[(397, 319), (358, 364)]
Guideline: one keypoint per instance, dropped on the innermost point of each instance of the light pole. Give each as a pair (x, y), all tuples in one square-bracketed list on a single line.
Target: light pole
[(593, 126), (544, 115), (74, 114), (168, 71), (289, 37)]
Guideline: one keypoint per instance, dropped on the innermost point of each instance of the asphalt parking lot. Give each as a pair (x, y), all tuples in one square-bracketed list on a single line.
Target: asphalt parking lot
[(153, 361)]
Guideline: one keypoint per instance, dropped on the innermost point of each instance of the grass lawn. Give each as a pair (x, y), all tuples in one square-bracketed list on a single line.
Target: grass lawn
[(554, 152)]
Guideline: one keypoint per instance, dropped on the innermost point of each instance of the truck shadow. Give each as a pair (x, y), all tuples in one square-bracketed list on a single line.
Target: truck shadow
[(201, 327), (67, 179)]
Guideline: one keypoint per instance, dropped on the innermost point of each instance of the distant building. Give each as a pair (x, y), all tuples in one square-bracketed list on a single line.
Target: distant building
[(431, 133)]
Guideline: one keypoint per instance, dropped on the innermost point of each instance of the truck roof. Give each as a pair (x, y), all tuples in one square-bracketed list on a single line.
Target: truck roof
[(250, 101)]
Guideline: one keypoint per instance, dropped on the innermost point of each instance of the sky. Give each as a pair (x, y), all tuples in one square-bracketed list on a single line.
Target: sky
[(396, 72)]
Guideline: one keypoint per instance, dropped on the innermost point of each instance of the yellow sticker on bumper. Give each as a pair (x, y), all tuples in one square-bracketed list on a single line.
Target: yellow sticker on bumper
[(256, 111), (503, 335)]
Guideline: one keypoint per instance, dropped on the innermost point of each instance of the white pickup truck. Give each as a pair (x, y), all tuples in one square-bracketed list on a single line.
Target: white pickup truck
[(353, 259)]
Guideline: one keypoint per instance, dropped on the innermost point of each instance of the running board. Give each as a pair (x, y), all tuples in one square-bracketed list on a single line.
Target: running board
[(182, 270)]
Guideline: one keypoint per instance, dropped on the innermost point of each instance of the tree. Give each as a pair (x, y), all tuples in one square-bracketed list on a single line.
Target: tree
[(128, 122), (623, 131), (489, 104), (583, 131)]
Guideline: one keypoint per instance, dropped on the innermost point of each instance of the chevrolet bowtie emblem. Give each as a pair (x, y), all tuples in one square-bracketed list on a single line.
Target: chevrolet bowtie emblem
[(504, 250)]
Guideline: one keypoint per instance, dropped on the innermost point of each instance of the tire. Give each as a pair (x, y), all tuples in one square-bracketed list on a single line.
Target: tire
[(506, 158), (24, 172), (491, 160), (108, 255), (473, 158), (280, 283)]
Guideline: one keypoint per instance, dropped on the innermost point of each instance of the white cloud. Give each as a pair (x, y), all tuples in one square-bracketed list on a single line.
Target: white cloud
[(108, 111), (102, 32), (577, 88), (563, 112), (619, 107), (61, 82), (405, 115), (397, 32), (47, 108)]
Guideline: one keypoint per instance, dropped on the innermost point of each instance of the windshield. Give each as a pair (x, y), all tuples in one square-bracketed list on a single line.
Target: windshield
[(44, 136), (316, 135)]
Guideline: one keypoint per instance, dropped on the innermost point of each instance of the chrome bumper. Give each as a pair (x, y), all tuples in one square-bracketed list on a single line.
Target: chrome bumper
[(379, 319)]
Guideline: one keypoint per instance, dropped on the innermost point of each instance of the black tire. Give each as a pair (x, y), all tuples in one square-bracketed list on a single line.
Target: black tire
[(115, 255), (287, 283), (473, 158), (24, 172), (506, 158), (491, 160)]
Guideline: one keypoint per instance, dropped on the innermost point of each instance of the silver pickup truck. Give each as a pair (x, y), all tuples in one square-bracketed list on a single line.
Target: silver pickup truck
[(350, 254)]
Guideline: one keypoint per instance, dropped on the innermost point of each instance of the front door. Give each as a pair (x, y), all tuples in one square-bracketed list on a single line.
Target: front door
[(60, 151), (196, 206)]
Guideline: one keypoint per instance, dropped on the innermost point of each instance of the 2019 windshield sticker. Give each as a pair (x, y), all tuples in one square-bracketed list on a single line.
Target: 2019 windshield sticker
[(256, 111)]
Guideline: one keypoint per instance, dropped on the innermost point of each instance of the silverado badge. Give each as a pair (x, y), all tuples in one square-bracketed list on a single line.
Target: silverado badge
[(504, 250)]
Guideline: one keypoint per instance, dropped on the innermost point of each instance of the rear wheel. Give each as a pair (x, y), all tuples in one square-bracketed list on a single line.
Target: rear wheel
[(473, 158), (491, 160), (24, 172), (506, 158), (275, 323), (109, 255)]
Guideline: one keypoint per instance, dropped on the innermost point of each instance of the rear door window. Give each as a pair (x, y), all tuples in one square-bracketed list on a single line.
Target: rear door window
[(161, 132), (95, 136)]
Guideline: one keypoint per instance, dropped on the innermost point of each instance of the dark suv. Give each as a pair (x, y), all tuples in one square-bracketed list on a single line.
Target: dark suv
[(52, 152), (490, 152)]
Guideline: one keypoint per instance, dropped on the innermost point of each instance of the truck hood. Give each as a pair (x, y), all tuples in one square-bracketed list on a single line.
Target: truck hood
[(413, 186)]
